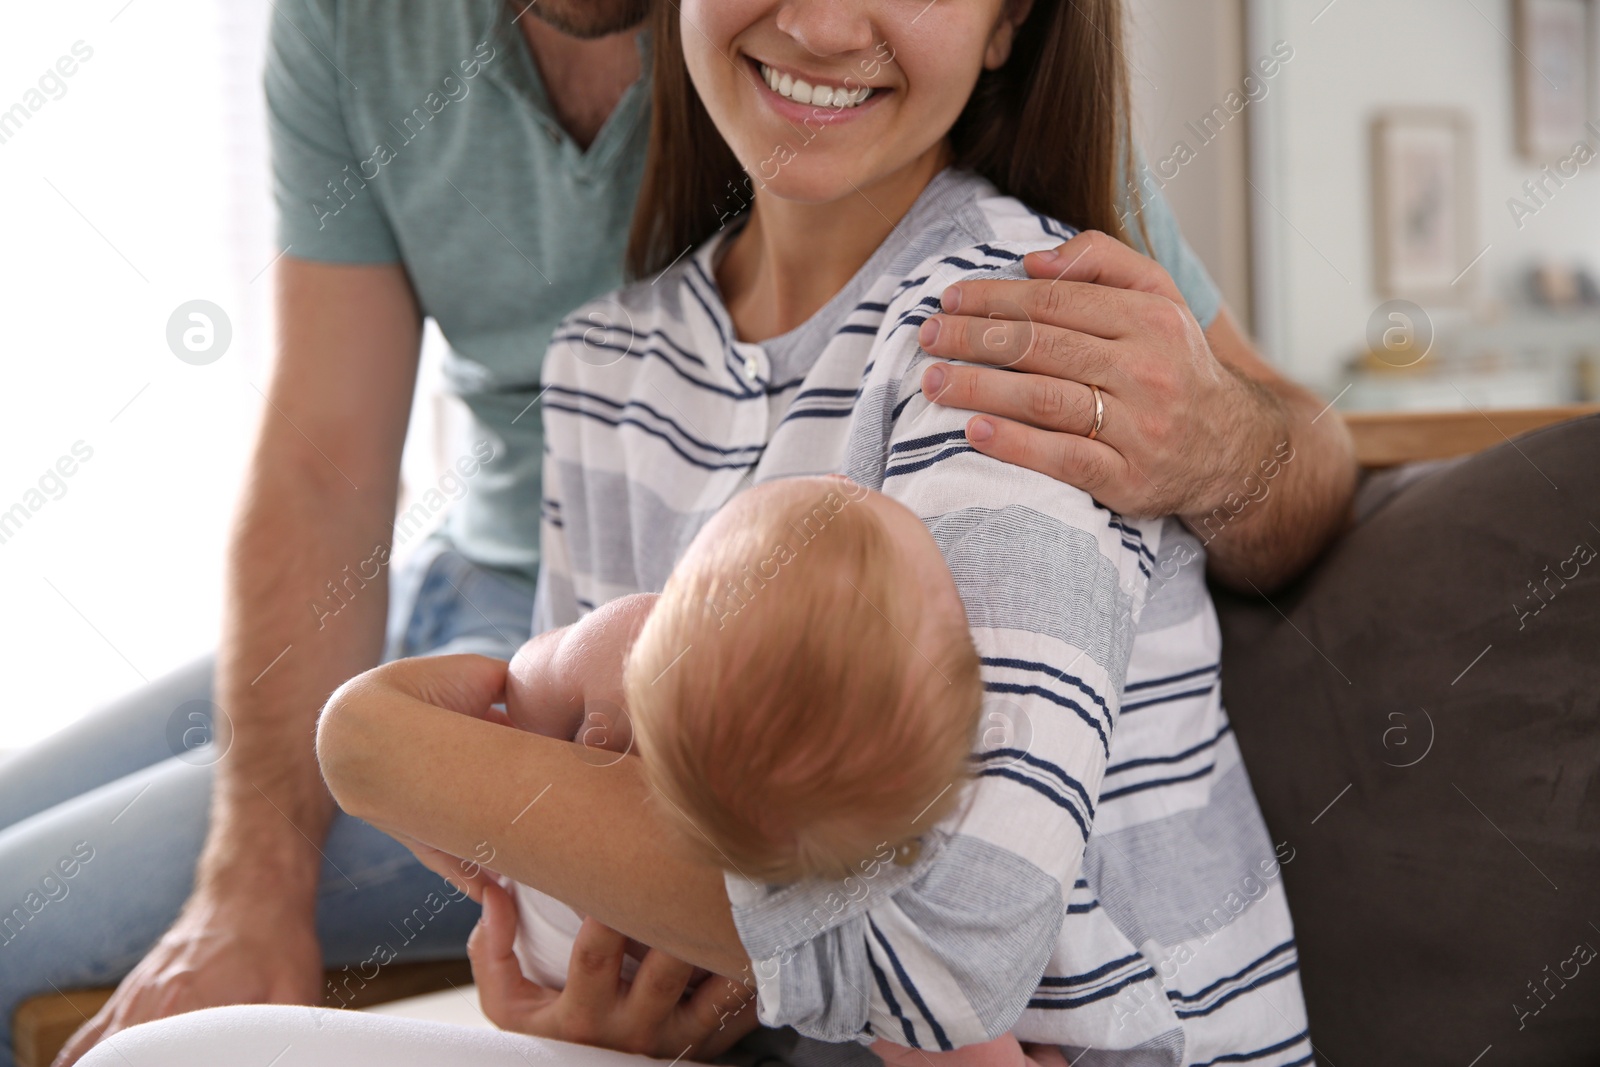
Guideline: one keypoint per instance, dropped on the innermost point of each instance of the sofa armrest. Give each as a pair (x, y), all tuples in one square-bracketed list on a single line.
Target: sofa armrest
[(1420, 717)]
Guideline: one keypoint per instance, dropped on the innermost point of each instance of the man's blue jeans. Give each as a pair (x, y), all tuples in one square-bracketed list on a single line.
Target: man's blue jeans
[(121, 799)]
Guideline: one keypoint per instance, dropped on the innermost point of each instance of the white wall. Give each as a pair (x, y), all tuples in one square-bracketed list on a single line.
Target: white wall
[(139, 183), (1186, 55), (123, 199), (1358, 57)]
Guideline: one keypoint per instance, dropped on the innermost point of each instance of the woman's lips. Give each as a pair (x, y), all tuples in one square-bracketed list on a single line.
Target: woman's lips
[(813, 114), (819, 93)]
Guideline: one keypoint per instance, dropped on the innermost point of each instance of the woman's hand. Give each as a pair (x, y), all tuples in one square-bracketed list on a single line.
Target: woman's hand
[(1179, 429), (648, 1015), (465, 684)]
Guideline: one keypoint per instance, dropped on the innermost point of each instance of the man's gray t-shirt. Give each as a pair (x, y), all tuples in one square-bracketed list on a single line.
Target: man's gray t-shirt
[(419, 132)]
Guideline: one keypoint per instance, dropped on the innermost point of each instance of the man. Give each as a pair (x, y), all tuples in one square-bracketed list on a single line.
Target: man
[(479, 164)]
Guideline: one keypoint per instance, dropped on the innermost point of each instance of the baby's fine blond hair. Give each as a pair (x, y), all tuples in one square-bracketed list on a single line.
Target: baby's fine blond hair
[(777, 698)]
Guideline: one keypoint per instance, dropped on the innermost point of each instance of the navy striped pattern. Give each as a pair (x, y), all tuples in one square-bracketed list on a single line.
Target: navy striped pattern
[(1096, 735)]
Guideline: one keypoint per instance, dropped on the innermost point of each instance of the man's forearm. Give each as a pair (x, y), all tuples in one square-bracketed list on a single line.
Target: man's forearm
[(306, 604), (304, 609), (307, 587), (1292, 496)]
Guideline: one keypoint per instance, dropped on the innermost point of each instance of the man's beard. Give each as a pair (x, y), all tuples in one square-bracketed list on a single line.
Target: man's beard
[(587, 19)]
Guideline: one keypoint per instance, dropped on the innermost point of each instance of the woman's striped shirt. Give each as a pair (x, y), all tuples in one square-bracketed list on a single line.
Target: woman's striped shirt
[(1108, 884)]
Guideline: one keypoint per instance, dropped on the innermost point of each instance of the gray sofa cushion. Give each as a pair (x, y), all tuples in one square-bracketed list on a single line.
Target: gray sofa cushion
[(1422, 726)]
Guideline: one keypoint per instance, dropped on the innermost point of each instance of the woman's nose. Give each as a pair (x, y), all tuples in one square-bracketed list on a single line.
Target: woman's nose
[(827, 27)]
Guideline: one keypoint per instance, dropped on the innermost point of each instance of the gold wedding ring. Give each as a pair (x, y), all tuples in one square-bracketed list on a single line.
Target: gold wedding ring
[(1099, 413)]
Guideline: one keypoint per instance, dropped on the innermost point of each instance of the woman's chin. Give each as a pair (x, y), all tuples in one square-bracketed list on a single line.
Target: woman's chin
[(816, 182)]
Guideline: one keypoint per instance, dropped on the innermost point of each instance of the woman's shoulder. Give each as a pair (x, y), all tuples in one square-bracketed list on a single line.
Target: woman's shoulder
[(979, 233), (991, 217), (1017, 225)]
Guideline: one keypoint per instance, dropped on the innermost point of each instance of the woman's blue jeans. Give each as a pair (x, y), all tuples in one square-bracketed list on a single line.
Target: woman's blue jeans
[(121, 799)]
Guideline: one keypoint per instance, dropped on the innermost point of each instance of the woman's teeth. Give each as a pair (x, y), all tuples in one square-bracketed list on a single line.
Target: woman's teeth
[(792, 88)]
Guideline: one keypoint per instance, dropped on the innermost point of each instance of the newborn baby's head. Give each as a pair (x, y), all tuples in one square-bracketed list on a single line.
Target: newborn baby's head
[(806, 691)]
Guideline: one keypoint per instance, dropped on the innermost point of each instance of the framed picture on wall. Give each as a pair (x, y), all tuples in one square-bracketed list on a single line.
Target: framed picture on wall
[(1423, 206), (1552, 61)]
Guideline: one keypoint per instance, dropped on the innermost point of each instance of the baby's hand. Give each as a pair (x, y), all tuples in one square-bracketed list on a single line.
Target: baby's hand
[(568, 683), (535, 696)]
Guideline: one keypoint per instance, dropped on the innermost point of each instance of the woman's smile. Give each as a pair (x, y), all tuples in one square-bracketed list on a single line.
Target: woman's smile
[(800, 67), (810, 100), (805, 89)]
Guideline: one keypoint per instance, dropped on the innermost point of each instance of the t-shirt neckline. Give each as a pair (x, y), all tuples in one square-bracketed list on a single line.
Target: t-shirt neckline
[(805, 341), (521, 78)]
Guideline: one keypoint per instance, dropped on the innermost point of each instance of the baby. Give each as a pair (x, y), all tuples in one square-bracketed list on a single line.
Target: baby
[(804, 693)]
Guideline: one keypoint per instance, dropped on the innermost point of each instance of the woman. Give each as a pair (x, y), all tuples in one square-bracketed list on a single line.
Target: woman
[(793, 345)]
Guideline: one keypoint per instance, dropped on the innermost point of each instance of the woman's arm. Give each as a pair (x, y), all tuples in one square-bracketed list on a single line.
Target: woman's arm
[(1190, 414), (410, 747)]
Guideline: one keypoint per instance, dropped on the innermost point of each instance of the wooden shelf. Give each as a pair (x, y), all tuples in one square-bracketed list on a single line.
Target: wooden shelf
[(1388, 439)]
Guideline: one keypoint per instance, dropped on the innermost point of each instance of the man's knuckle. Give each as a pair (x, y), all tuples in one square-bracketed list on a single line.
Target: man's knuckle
[(1150, 427), (1054, 301), (1049, 350), (1027, 450), (1097, 299), (960, 387), (1177, 318), (1145, 325), (1047, 405), (1093, 360), (971, 339), (1057, 462), (1161, 378), (1096, 471)]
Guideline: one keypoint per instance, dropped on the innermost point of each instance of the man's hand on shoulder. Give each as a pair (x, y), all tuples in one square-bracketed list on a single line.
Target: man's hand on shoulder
[(1100, 376)]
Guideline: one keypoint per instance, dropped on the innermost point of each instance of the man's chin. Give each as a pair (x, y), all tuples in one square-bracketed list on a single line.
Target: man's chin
[(588, 19)]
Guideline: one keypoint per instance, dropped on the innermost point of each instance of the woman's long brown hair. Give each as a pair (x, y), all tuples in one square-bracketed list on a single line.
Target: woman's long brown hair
[(1050, 127)]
